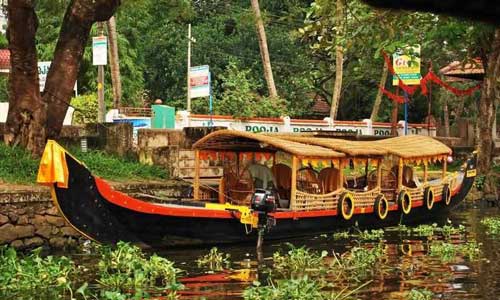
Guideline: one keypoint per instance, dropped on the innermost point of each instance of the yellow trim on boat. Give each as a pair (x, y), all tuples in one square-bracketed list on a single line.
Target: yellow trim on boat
[(247, 216)]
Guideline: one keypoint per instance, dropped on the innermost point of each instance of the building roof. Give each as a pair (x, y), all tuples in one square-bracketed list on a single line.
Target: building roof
[(351, 148), (245, 141), (413, 146), (458, 71), (4, 60)]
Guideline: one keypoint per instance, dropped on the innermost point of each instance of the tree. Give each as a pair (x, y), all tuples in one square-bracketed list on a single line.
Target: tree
[(264, 51), (114, 62), (487, 105), (339, 57), (33, 117), (27, 112)]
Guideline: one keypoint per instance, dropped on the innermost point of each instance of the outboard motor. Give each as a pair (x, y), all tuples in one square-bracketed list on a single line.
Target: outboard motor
[(264, 202)]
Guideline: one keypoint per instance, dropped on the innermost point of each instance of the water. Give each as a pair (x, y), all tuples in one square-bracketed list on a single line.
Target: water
[(407, 265)]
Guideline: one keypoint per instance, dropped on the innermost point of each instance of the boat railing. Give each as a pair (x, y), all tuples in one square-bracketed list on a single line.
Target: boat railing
[(365, 199), (416, 194), (306, 201)]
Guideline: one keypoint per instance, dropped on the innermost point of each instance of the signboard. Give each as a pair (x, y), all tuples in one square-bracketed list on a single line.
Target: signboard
[(43, 70), (407, 67), (199, 81), (297, 125), (99, 50)]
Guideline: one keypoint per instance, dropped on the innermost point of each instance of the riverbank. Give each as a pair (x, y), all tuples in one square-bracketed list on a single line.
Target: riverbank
[(29, 219)]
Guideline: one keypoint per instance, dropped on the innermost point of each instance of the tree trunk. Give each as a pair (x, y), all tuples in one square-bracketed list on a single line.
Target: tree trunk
[(378, 99), (75, 30), (446, 115), (27, 112), (339, 57), (114, 62), (487, 111), (264, 52)]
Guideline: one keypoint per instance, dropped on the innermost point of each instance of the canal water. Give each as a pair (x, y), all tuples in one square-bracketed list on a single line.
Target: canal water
[(407, 264)]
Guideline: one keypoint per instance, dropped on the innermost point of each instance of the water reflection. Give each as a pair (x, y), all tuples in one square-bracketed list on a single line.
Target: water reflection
[(407, 264)]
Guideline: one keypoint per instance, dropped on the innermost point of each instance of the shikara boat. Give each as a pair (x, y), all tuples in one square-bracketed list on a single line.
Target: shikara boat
[(301, 185)]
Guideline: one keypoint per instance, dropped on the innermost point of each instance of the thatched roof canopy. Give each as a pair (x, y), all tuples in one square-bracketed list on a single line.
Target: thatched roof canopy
[(413, 146), (232, 140), (351, 148)]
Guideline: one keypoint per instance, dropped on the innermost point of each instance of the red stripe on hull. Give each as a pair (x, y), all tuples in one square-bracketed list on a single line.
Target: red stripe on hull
[(128, 202)]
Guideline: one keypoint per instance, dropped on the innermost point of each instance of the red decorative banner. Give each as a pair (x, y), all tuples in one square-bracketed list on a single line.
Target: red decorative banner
[(430, 77), (393, 97), (434, 78)]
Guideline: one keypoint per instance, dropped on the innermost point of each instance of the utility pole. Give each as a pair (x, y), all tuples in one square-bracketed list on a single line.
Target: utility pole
[(100, 85), (188, 69)]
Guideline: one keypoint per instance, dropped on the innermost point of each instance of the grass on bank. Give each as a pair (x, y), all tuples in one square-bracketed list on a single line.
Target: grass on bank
[(18, 167)]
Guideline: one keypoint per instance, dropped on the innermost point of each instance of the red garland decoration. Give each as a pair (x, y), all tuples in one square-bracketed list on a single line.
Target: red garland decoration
[(434, 78), (423, 84), (393, 97)]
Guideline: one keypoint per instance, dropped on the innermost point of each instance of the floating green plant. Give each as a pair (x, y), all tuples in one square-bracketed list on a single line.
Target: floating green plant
[(214, 260), (448, 252), (492, 225), (125, 271), (341, 235), (34, 277), (419, 294), (372, 235), (298, 261)]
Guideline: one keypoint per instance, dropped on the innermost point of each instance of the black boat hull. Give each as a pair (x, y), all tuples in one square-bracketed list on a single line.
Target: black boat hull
[(90, 206)]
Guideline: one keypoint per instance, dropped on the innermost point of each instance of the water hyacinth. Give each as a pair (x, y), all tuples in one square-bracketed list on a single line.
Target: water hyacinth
[(214, 260), (126, 271), (34, 277), (492, 225)]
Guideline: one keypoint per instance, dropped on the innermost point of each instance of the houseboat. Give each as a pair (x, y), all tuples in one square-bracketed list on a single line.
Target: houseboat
[(291, 185)]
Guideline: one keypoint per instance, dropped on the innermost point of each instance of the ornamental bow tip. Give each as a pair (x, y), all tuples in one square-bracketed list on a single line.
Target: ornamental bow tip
[(53, 167)]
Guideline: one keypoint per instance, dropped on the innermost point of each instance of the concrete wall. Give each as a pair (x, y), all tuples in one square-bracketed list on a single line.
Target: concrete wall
[(172, 149), (29, 219)]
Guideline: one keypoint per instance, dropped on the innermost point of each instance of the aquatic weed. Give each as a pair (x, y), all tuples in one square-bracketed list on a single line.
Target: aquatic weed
[(214, 260), (471, 250), (34, 277), (125, 271), (302, 288), (372, 235), (299, 261), (492, 225), (425, 230), (444, 251), (419, 294), (341, 235)]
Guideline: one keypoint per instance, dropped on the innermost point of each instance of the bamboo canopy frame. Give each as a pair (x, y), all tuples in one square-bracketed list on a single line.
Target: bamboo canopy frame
[(239, 141), (411, 148)]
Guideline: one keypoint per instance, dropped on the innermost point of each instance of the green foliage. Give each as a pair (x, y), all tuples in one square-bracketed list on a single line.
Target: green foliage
[(479, 182), (299, 261), (125, 272), (448, 252), (372, 235), (4, 89), (239, 98), (18, 166), (118, 168), (34, 277), (214, 260), (86, 109), (419, 294), (492, 225), (302, 288)]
